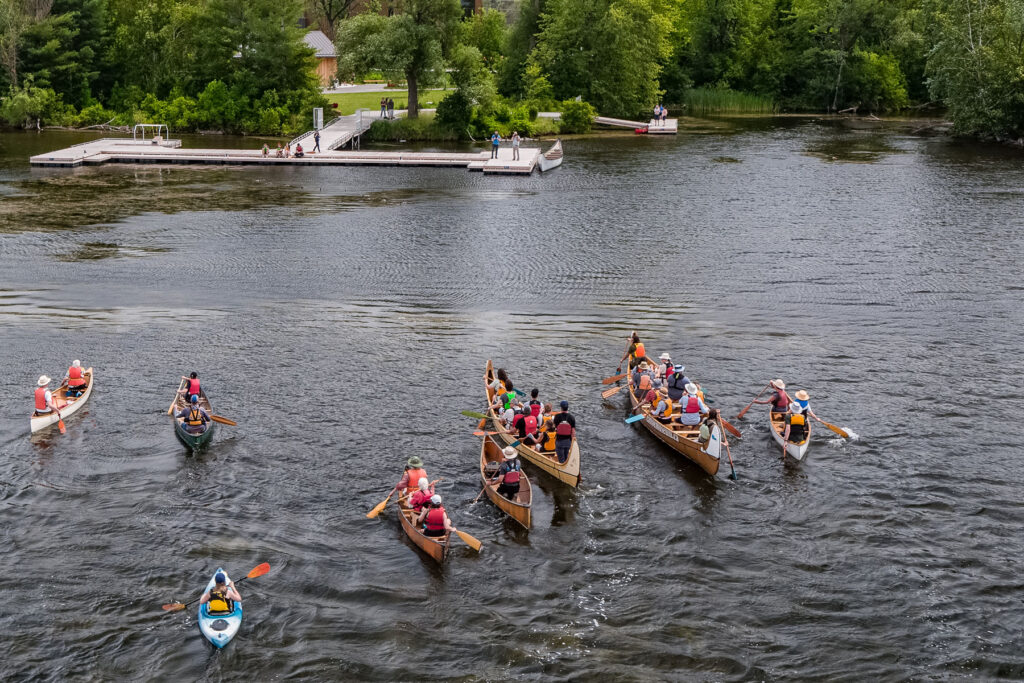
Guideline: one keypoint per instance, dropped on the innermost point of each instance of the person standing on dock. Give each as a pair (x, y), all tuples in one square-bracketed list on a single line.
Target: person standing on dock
[(657, 113), (391, 109), (316, 139), (495, 143), (664, 114), (383, 107), (515, 145)]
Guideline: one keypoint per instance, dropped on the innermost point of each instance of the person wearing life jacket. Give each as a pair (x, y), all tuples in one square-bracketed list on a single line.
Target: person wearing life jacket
[(191, 387), (802, 403), (676, 384), (74, 379), (565, 432), (635, 352), (661, 406), (44, 397), (413, 473), (546, 436), (195, 418), (222, 597), (503, 399), (693, 407), (706, 426), (422, 495), (779, 400), (663, 370), (536, 407), (528, 426), (509, 473), (434, 519), (797, 427)]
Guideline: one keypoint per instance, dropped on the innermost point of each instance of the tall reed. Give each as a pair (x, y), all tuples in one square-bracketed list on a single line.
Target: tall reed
[(700, 101)]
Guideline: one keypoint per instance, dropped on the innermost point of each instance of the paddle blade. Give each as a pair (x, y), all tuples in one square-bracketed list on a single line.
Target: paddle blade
[(223, 420), (482, 423), (479, 433), (841, 432), (471, 413), (732, 430), (378, 509), (635, 418), (469, 540), (743, 412), (258, 570), (61, 427), (613, 378), (607, 393), (173, 607)]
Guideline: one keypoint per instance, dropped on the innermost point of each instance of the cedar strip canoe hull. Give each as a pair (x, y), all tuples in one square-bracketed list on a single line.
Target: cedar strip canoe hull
[(707, 459), (518, 509), (778, 428), (567, 472), (69, 407), (436, 547), (193, 441)]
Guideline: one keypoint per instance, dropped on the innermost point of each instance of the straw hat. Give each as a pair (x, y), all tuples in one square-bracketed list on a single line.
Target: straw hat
[(691, 389), (664, 356), (43, 380), (414, 461), (778, 384), (510, 453), (802, 395)]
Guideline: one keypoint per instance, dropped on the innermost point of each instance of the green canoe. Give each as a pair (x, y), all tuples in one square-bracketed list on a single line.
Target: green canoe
[(188, 435)]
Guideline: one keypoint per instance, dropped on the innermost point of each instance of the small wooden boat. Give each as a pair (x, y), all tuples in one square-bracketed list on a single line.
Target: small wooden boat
[(567, 472), (435, 546), (66, 406), (778, 428), (518, 508), (683, 439), (190, 436), (551, 158)]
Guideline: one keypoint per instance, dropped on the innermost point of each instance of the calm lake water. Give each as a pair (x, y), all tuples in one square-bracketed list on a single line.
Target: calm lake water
[(343, 317)]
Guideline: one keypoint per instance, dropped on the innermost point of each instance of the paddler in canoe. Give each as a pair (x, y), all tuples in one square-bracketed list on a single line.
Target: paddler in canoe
[(194, 415), (191, 387), (779, 400), (414, 471), (509, 472), (44, 397), (74, 380), (221, 596), (434, 520), (422, 496), (635, 352)]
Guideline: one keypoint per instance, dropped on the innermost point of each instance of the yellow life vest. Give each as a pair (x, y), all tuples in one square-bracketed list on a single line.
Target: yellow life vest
[(797, 419), (549, 434), (218, 601), (195, 418)]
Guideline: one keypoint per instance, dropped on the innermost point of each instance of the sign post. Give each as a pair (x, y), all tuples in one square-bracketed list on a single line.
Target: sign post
[(318, 118)]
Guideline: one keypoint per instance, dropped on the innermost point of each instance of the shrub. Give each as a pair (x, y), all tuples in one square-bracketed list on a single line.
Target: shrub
[(577, 117), (454, 112)]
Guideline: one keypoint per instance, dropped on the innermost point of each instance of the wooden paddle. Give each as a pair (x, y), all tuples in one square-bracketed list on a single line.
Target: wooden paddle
[(258, 570), (608, 393), (841, 432), (481, 493), (469, 540), (409, 495), (482, 433), (223, 420), (479, 416), (635, 418), (729, 453), (60, 421), (744, 411), (613, 378), (732, 430), (380, 506)]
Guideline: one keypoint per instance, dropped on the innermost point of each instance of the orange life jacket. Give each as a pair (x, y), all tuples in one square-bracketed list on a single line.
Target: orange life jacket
[(41, 400), (75, 378), (645, 382), (414, 479), (639, 351)]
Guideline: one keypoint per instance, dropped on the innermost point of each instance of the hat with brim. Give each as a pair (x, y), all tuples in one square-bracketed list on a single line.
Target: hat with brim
[(778, 384), (664, 356), (43, 380), (691, 389), (414, 461), (510, 453), (678, 368), (802, 395)]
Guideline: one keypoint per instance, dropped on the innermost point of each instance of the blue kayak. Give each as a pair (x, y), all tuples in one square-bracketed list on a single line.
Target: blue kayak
[(220, 627)]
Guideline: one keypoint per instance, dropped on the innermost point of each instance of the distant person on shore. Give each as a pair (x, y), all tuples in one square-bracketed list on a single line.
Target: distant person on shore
[(657, 113), (280, 151), (495, 143), (664, 114), (515, 145), (316, 139), (391, 109), (266, 150), (383, 107)]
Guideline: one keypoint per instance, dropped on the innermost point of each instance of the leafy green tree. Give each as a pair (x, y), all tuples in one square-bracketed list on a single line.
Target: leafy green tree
[(330, 13), (13, 21), (486, 31), (61, 49), (151, 46), (412, 43), (519, 43)]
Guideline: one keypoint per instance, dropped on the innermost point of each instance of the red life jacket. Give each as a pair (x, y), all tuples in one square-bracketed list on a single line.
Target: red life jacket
[(41, 399), (780, 402), (435, 519), (531, 424), (564, 429), (516, 419), (193, 386), (535, 408), (75, 377), (692, 405), (512, 476)]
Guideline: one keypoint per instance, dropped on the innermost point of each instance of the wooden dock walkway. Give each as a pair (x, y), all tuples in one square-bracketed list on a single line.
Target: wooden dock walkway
[(652, 127)]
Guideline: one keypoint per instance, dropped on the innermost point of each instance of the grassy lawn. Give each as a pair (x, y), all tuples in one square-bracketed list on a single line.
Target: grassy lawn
[(349, 102)]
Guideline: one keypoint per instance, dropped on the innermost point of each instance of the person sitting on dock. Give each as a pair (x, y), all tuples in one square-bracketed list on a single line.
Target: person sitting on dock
[(280, 151), (74, 379), (422, 496), (191, 389), (413, 473), (221, 596), (195, 417), (565, 432), (495, 144), (509, 473), (298, 151), (693, 407), (44, 397), (434, 519), (779, 400), (266, 150)]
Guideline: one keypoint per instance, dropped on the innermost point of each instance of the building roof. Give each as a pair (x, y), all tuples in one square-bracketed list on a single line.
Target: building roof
[(321, 43)]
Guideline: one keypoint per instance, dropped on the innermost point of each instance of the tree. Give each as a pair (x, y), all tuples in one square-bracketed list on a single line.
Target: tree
[(330, 13), (151, 44), (12, 22), (519, 43), (61, 49), (486, 32), (413, 43)]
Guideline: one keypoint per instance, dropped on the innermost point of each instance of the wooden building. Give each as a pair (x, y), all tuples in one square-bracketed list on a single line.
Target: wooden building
[(326, 56)]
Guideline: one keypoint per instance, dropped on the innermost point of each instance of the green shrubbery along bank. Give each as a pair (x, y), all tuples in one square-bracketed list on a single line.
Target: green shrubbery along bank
[(241, 65)]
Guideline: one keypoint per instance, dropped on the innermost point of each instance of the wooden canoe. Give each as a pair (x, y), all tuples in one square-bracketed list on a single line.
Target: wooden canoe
[(519, 508), (435, 546), (194, 440), (66, 406), (683, 439), (567, 472), (778, 428)]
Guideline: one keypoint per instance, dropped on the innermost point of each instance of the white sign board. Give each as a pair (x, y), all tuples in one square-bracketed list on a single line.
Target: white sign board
[(318, 118)]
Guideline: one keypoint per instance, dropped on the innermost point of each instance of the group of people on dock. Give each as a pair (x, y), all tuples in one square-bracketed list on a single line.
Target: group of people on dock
[(496, 144), (660, 114), (535, 423)]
